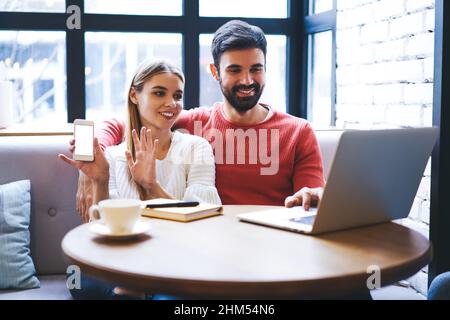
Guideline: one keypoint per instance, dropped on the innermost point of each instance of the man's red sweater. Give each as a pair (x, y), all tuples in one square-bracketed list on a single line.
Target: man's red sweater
[(259, 164)]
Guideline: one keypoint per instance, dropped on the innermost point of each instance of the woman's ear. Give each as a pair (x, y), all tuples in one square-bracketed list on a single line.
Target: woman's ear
[(133, 96), (214, 71)]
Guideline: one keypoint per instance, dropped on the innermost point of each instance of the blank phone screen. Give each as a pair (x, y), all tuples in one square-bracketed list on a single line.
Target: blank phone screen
[(84, 140)]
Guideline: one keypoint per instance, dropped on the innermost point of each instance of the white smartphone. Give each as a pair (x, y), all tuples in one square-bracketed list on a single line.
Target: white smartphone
[(84, 140)]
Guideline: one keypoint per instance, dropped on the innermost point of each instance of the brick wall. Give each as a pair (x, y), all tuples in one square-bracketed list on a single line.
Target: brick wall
[(384, 77)]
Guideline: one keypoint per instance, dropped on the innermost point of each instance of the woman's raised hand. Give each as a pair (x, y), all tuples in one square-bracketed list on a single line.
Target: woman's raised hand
[(143, 167)]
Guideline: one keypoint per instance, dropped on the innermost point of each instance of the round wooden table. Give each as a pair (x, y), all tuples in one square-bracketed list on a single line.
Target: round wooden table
[(221, 257)]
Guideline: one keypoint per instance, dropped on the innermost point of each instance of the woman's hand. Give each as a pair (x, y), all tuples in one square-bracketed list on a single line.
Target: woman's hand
[(143, 168), (85, 196), (97, 170)]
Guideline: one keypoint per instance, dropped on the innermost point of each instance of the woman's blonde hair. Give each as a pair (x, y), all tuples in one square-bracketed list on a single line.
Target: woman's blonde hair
[(144, 72)]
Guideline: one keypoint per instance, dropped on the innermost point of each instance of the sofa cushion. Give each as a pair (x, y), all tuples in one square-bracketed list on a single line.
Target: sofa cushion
[(53, 189), (16, 266), (52, 288)]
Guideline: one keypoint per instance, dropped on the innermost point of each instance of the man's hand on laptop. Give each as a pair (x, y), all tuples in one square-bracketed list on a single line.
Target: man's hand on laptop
[(306, 196)]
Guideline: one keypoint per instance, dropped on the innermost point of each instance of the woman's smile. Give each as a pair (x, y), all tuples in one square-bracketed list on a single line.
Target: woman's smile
[(168, 115)]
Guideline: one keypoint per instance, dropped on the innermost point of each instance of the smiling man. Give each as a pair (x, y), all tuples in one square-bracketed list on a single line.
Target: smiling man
[(262, 156)]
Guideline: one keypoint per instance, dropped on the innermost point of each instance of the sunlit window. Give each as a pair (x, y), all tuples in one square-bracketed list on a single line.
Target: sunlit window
[(33, 5), (35, 62), (137, 7), (319, 6), (320, 79), (112, 59), (247, 8)]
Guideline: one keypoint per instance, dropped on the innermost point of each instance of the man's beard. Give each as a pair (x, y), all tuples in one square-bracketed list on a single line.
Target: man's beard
[(242, 104)]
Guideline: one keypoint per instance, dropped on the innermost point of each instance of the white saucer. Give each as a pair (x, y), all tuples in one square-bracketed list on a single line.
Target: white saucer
[(101, 229)]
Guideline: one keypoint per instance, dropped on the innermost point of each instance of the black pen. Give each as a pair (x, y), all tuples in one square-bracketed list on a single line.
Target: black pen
[(173, 204)]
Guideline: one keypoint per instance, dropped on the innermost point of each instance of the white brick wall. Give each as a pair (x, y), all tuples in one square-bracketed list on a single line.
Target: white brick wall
[(389, 50), (418, 93), (418, 5), (385, 9), (420, 45), (374, 32), (384, 76), (406, 25), (429, 20), (428, 117), (388, 93), (428, 69)]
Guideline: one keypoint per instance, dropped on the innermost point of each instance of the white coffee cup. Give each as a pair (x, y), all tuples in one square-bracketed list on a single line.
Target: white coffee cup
[(119, 215)]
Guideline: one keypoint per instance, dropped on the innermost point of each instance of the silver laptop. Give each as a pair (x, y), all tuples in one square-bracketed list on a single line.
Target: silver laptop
[(374, 178)]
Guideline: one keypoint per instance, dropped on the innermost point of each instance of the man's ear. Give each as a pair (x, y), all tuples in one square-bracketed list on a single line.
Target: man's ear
[(214, 71), (133, 97)]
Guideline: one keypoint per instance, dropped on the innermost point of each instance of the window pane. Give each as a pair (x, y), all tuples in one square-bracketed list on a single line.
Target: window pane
[(319, 6), (247, 8), (138, 7), (33, 5), (275, 89), (35, 62), (320, 102), (112, 59)]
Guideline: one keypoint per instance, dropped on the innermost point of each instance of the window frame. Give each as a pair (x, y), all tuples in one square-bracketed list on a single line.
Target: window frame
[(440, 168), (317, 23), (190, 25)]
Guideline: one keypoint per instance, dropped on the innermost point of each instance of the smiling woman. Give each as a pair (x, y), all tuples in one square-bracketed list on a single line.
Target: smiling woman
[(152, 162), (155, 101)]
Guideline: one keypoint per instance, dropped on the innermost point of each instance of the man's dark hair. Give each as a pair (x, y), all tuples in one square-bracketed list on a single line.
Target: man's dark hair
[(237, 35)]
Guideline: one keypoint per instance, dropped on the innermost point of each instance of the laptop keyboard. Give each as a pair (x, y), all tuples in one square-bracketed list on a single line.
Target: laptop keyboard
[(308, 220)]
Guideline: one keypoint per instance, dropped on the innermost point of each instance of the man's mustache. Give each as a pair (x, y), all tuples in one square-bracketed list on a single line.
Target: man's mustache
[(243, 87)]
